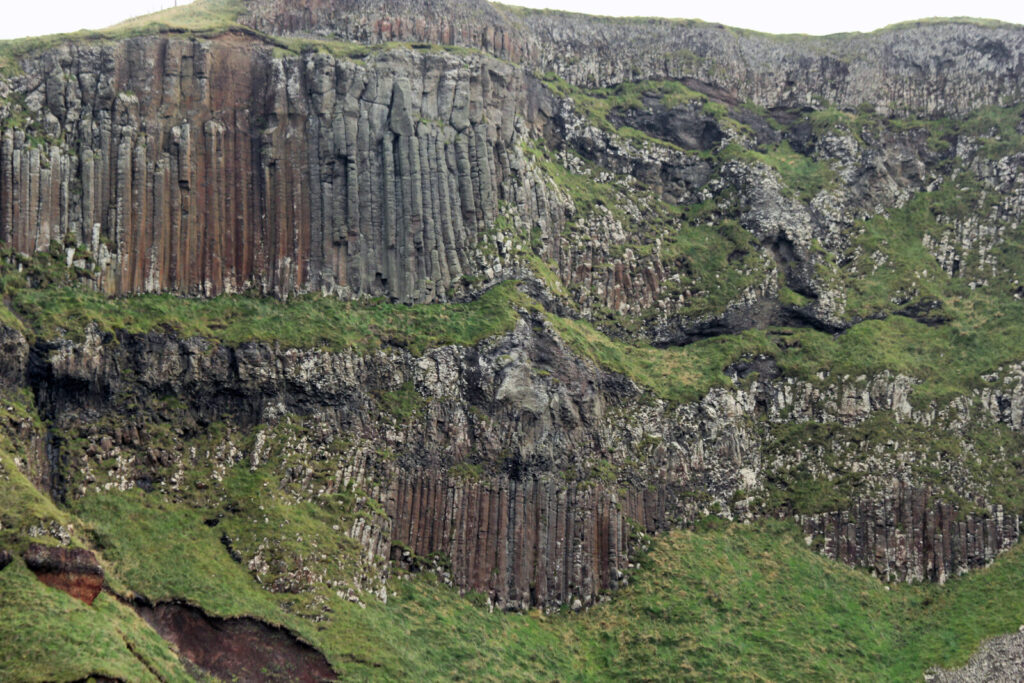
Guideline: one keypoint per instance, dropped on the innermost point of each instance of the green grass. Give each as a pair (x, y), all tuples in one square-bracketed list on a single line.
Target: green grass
[(677, 374), (198, 16), (301, 322), (987, 461), (803, 176), (23, 508), (202, 17), (725, 601), (46, 635), (596, 104), (184, 566)]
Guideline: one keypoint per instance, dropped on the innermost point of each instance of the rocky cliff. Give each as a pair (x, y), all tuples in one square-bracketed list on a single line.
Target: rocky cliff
[(744, 275)]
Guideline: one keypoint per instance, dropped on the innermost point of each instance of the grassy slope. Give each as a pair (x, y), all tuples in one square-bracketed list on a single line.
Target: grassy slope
[(734, 602), (44, 633), (727, 601), (47, 635)]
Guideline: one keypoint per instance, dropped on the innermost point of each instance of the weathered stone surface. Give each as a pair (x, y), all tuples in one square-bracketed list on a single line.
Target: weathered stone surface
[(241, 171), (911, 535), (1000, 660), (469, 23), (929, 68), (72, 570), (237, 649), (208, 166), (528, 474), (13, 357)]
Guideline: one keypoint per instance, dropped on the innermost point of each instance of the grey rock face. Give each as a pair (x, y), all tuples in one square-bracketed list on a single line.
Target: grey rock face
[(241, 171), (927, 68), (526, 473), (418, 174), (1000, 660), (13, 357)]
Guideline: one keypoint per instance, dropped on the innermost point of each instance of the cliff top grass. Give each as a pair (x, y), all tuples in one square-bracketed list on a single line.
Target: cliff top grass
[(200, 15), (204, 17)]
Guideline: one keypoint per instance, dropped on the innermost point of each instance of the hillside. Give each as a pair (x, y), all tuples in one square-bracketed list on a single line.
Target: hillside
[(303, 300)]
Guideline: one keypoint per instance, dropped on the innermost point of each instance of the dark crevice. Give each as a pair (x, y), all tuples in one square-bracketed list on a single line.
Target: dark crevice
[(236, 649)]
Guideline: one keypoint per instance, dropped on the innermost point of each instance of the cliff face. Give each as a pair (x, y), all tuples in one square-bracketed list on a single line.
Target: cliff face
[(803, 219), (210, 167), (941, 68), (521, 470), (475, 24)]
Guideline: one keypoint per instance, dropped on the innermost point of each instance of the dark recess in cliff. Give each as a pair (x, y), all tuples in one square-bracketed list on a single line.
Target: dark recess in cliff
[(237, 649)]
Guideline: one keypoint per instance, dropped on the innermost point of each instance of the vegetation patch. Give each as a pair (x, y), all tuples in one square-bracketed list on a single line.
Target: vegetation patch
[(725, 601), (310, 321)]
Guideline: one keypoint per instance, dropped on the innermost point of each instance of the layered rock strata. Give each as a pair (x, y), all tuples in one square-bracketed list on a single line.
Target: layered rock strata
[(521, 470), (72, 570)]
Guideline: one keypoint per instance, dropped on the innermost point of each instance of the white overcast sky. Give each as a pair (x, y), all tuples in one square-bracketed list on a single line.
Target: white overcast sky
[(37, 17)]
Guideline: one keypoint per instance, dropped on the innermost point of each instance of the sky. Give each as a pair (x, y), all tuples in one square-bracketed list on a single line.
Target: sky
[(39, 17)]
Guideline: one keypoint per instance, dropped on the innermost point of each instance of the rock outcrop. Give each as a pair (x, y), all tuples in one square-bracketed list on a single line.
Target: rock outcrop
[(270, 157), (999, 659), (520, 470), (5, 559), (910, 535), (13, 357), (950, 68), (240, 171), (467, 23), (72, 570)]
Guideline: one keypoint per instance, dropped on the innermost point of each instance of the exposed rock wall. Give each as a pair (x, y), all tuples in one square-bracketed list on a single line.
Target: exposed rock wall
[(999, 659), (527, 541), (927, 68), (72, 570), (207, 167), (520, 470), (13, 357), (948, 68), (440, 22), (911, 535)]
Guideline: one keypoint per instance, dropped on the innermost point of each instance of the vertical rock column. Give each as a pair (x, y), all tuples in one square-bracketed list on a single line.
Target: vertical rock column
[(911, 535), (534, 541)]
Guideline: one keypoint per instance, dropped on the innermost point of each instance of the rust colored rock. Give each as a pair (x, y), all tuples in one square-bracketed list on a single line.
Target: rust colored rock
[(524, 543), (72, 570), (5, 559), (237, 649)]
